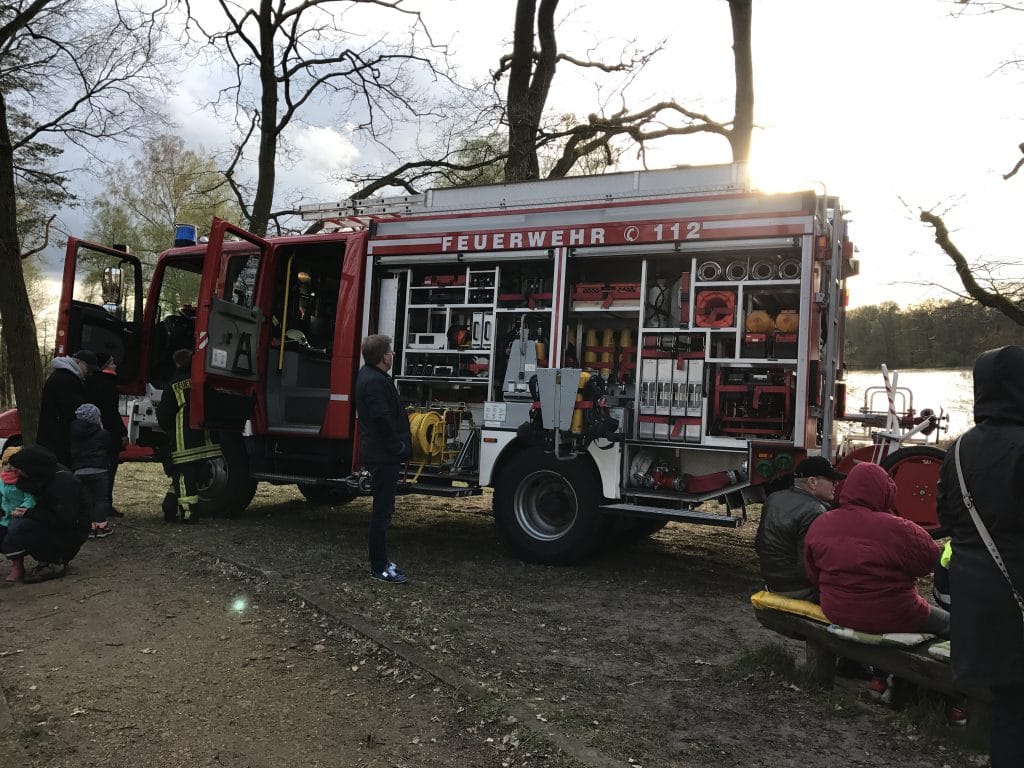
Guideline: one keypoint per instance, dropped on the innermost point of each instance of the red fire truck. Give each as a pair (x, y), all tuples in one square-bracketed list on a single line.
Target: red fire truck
[(607, 352)]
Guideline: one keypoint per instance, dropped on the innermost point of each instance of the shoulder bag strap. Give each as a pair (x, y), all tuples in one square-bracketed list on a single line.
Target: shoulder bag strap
[(982, 530)]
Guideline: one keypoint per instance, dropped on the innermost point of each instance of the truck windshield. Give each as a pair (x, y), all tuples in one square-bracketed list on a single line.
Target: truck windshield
[(175, 319)]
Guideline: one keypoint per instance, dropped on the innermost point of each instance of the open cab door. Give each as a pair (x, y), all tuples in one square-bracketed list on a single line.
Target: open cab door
[(229, 323), (101, 307)]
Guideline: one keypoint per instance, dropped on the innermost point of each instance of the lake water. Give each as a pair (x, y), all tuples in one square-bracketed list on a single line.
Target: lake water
[(949, 390)]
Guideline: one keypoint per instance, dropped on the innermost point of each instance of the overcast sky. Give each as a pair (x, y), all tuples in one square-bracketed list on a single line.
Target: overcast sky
[(891, 105)]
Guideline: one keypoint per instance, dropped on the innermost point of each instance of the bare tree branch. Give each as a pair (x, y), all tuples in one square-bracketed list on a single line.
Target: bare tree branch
[(71, 72), (1017, 167), (285, 55), (992, 299), (46, 239), (531, 70)]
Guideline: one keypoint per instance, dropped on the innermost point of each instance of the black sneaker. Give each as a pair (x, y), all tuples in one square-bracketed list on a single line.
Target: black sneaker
[(391, 574), (169, 506)]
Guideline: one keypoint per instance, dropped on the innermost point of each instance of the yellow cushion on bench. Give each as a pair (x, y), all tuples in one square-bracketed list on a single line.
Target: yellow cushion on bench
[(895, 639), (939, 650), (771, 601)]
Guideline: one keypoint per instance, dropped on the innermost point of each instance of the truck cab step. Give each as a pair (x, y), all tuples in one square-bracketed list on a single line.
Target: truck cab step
[(680, 515), (449, 491)]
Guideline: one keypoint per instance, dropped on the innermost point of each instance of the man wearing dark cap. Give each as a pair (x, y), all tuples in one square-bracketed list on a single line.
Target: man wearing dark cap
[(63, 392), (785, 518)]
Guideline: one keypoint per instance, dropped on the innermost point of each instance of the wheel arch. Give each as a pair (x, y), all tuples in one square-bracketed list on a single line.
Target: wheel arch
[(494, 457), (517, 446)]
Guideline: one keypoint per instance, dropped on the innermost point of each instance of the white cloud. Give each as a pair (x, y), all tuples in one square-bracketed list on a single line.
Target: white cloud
[(321, 155)]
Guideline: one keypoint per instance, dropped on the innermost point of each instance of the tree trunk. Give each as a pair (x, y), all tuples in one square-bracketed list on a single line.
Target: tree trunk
[(266, 174), (543, 74), (19, 327), (743, 122), (520, 126), (6, 386)]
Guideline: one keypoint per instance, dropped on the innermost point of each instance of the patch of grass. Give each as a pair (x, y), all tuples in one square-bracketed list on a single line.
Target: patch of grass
[(839, 705), (768, 660), (926, 712)]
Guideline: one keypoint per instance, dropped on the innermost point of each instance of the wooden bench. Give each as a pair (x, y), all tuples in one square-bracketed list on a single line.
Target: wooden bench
[(915, 665)]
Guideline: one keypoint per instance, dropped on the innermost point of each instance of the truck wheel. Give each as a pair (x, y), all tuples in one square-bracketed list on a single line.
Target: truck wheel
[(332, 495), (225, 487), (546, 509), (915, 470)]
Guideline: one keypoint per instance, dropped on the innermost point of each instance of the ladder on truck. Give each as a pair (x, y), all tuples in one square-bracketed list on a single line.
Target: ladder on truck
[(629, 185)]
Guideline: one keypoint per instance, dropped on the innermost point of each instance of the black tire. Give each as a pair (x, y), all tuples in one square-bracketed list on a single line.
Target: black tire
[(225, 487), (547, 510), (332, 495), (915, 470)]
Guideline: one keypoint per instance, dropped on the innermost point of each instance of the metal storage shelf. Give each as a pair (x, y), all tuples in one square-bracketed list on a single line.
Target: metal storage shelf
[(447, 351), (447, 305), (443, 379), (612, 309), (755, 283)]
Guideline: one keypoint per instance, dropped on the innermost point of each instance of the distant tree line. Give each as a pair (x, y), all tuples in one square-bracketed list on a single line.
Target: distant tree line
[(935, 334)]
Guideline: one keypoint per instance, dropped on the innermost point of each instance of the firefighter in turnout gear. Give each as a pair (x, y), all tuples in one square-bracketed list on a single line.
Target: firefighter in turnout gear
[(188, 448)]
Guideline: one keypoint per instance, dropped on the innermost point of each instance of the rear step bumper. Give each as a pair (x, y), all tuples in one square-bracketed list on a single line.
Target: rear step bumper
[(449, 491), (423, 489), (680, 515), (280, 479)]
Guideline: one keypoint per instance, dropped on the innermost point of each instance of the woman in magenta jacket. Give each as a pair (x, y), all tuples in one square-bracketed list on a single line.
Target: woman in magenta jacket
[(865, 561)]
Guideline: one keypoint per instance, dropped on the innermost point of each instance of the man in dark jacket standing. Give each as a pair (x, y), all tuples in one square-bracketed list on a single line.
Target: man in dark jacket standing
[(384, 443), (988, 625), (63, 391), (785, 518)]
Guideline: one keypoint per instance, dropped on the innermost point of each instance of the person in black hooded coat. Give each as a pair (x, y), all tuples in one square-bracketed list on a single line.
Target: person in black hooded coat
[(63, 391), (987, 633), (53, 531)]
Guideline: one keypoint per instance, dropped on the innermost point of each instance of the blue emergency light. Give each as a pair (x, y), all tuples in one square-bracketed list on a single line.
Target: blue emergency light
[(184, 234)]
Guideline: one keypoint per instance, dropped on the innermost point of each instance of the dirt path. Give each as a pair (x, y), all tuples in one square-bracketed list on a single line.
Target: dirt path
[(641, 658), (144, 657)]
